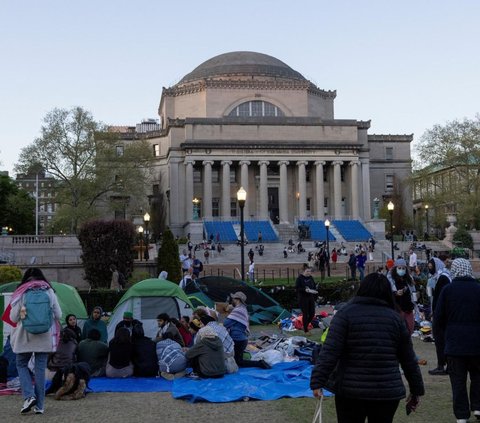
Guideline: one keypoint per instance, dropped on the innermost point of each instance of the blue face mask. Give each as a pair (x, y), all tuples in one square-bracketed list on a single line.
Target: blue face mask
[(401, 272)]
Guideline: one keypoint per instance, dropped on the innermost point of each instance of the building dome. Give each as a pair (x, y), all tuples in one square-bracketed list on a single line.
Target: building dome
[(241, 63)]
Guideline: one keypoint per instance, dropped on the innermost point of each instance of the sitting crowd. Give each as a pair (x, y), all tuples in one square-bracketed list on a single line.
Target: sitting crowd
[(201, 343)]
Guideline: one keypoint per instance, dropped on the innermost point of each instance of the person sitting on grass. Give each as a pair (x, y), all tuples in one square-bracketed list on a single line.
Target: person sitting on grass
[(120, 358), (171, 358), (95, 322), (94, 352), (206, 357), (166, 326), (144, 357)]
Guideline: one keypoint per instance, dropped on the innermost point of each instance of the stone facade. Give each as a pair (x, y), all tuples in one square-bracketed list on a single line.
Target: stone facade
[(247, 119)]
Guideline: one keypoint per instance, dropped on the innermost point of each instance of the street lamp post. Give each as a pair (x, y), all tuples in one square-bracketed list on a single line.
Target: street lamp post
[(390, 207), (426, 221), (140, 232), (195, 202), (241, 198), (146, 219), (327, 227)]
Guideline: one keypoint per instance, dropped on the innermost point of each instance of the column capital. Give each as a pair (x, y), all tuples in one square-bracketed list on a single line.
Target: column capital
[(337, 162), (354, 163), (189, 162), (207, 162), (263, 162), (320, 163), (283, 162), (244, 162), (226, 162), (302, 163)]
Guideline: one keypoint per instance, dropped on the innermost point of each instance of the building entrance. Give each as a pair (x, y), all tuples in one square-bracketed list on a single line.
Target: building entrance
[(273, 207)]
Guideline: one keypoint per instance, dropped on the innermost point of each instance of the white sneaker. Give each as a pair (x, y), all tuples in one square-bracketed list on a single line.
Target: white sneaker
[(28, 404), (462, 421), (476, 413), (37, 410)]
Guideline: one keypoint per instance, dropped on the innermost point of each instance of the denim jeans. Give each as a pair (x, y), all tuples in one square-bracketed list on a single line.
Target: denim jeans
[(26, 377)]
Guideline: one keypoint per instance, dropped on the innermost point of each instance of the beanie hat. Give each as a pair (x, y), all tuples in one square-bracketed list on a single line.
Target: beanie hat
[(461, 267), (128, 315), (400, 262)]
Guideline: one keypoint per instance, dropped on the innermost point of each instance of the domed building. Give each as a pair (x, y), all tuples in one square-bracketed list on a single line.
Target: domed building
[(246, 119)]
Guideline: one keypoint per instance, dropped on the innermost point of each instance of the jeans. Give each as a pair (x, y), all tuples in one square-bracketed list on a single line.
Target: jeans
[(356, 411), (458, 370), (26, 377), (307, 305), (361, 270)]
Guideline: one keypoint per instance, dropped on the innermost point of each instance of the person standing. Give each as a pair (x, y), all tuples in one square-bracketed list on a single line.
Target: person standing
[(360, 363), (412, 261), (25, 342), (334, 258), (361, 260), (402, 288), (457, 314), (306, 294), (352, 264), (441, 277), (114, 283), (251, 272)]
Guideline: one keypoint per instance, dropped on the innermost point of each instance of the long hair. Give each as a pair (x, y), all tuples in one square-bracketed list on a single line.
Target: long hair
[(33, 274), (376, 285), (122, 336)]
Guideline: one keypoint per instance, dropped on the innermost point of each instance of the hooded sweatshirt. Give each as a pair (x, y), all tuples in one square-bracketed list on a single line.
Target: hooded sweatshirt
[(209, 353), (99, 324), (442, 279)]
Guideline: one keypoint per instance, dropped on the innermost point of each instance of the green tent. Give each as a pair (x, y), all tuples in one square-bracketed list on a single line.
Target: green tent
[(68, 298), (146, 300)]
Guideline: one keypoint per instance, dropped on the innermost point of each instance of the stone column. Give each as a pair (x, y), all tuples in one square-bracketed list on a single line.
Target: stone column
[(207, 189), (263, 189), (354, 189), (283, 193), (337, 189), (174, 194), (366, 189), (320, 190), (225, 211), (189, 189), (302, 190), (244, 183)]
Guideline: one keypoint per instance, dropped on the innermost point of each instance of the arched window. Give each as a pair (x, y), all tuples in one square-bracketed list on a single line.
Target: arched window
[(256, 108)]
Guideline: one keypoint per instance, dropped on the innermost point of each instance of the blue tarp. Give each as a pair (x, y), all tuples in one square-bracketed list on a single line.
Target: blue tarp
[(131, 384), (284, 380)]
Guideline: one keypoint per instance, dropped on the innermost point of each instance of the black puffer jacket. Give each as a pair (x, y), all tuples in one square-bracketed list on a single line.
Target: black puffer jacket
[(368, 340)]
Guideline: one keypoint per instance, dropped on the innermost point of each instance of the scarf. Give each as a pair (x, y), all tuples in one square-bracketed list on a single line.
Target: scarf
[(240, 314)]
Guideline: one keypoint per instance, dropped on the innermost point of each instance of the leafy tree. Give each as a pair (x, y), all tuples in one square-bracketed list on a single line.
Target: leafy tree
[(450, 158), (17, 208), (105, 243), (463, 238), (168, 258), (93, 167), (10, 274)]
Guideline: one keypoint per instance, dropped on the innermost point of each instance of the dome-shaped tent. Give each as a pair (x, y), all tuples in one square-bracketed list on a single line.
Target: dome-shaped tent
[(146, 300)]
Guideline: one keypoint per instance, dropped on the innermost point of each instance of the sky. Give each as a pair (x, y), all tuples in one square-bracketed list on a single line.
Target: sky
[(405, 66)]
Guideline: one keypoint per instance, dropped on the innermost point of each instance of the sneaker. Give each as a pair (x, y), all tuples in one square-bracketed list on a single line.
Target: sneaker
[(193, 375), (476, 413), (28, 404), (168, 376), (439, 371), (462, 421), (37, 410)]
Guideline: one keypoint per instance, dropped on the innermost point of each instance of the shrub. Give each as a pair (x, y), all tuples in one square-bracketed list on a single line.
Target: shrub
[(10, 274), (463, 238), (105, 243), (168, 258), (137, 276)]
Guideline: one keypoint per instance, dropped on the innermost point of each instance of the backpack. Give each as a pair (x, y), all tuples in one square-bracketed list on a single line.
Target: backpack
[(200, 267), (122, 280), (39, 314)]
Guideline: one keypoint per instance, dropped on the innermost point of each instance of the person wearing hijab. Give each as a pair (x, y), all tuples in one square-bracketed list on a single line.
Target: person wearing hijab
[(95, 322), (71, 323), (457, 314)]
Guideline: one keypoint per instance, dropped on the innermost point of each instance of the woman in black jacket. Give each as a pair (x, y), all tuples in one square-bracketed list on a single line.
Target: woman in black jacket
[(360, 359), (306, 293)]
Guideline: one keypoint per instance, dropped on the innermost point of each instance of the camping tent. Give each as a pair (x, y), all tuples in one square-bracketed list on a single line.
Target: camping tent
[(146, 300), (209, 290), (68, 298)]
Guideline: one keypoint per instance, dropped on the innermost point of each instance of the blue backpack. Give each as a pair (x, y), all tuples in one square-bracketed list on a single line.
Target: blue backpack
[(39, 311)]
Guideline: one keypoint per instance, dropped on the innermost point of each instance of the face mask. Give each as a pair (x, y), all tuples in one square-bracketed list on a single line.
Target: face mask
[(431, 271), (401, 272)]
